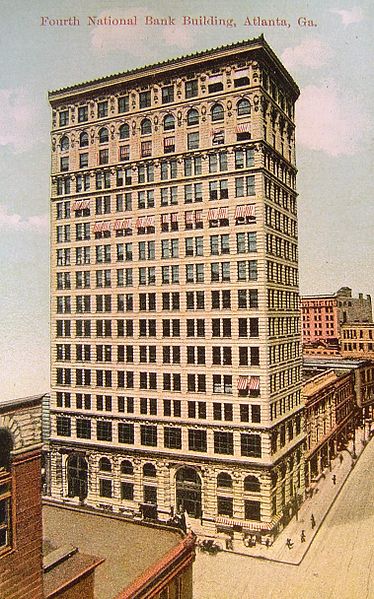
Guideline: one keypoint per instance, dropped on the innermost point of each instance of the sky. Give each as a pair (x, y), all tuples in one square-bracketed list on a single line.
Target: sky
[(327, 46)]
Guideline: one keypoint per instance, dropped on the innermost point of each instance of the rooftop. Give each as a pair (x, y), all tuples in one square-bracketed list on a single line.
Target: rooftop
[(177, 63), (128, 548)]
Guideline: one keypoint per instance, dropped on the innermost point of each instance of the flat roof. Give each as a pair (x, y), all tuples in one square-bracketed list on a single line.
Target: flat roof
[(128, 548)]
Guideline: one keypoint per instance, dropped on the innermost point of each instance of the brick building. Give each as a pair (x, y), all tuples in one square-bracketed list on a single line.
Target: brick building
[(175, 316), (20, 499), (324, 314)]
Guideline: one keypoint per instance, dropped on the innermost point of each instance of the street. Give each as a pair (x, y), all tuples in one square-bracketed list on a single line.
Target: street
[(339, 563)]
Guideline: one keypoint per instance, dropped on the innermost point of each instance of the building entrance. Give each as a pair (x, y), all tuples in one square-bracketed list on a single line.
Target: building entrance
[(188, 490), (77, 472)]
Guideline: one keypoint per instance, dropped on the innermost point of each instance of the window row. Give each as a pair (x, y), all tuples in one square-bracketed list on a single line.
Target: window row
[(197, 410), (175, 354), (223, 442), (175, 327)]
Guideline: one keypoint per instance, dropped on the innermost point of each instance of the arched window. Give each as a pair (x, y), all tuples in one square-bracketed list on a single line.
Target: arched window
[(243, 107), (83, 139), (105, 465), (169, 122), (64, 143), (149, 470), (192, 117), (251, 483), (124, 131), (103, 135), (146, 127), (217, 112), (127, 467), (224, 480)]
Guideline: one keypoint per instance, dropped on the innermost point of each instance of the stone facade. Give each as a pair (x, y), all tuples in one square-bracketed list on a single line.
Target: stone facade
[(175, 313)]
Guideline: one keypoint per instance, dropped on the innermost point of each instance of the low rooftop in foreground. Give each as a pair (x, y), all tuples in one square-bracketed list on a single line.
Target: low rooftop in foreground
[(128, 548)]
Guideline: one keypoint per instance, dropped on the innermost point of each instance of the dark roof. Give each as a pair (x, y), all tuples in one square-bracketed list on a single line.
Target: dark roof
[(178, 62), (128, 548)]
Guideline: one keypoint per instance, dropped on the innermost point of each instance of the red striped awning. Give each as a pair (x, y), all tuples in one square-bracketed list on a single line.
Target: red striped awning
[(254, 383), (149, 221), (198, 216), (223, 213), (124, 223), (242, 383), (189, 217), (81, 204), (169, 141), (212, 214), (100, 227), (165, 218), (174, 217), (140, 222), (243, 211), (243, 128)]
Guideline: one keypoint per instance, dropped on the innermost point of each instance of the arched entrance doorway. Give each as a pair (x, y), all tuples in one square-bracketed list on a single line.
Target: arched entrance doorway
[(77, 471), (188, 491)]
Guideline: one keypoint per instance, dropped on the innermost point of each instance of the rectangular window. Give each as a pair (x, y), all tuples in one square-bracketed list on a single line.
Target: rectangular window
[(102, 109), (145, 99), (250, 445), (191, 88), (123, 104), (167, 94), (148, 435), (193, 140), (223, 443), (172, 437), (126, 432), (103, 430), (197, 440)]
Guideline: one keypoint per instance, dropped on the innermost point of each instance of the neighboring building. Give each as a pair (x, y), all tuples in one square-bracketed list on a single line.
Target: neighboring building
[(330, 407), (324, 314), (175, 315), (153, 562), (363, 373), (140, 561), (20, 499), (357, 341), (320, 318)]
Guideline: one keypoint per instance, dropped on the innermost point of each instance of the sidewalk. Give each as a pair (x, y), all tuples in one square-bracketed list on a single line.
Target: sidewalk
[(324, 495)]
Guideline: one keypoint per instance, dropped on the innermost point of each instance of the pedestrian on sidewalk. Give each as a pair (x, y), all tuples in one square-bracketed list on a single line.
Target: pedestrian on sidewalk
[(312, 521), (340, 458), (334, 479), (289, 543), (267, 542), (229, 543), (303, 537)]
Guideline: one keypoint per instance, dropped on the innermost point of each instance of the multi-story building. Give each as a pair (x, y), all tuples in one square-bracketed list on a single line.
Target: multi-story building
[(175, 313), (324, 314), (357, 340), (330, 407)]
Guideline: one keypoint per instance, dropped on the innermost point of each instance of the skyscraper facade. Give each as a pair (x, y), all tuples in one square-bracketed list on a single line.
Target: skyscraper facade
[(175, 309)]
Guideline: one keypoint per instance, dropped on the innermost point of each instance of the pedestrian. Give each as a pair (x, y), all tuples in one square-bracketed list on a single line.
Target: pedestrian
[(267, 542), (229, 544), (289, 543), (334, 479), (312, 520), (340, 458), (302, 537)]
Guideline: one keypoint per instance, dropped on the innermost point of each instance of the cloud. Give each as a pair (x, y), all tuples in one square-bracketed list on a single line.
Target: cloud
[(312, 53), (15, 222), (138, 40), (18, 119), (332, 121), (348, 17)]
